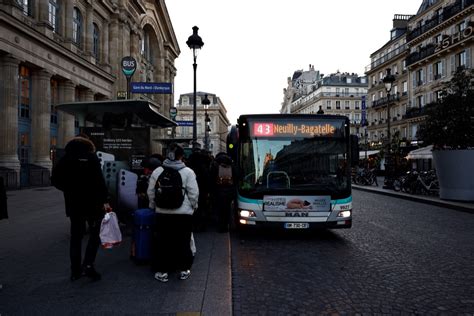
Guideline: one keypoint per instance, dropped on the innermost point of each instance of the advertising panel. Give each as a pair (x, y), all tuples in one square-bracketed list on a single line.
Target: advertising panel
[(293, 203), (129, 145)]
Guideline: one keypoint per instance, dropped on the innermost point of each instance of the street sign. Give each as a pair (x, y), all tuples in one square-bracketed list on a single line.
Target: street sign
[(364, 118), (184, 123), (121, 95), (152, 87), (129, 65)]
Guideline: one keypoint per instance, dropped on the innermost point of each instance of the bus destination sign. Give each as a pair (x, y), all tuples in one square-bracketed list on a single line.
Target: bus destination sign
[(299, 129)]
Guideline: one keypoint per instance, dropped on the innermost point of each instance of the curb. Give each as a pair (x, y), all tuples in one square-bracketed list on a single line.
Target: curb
[(458, 206)]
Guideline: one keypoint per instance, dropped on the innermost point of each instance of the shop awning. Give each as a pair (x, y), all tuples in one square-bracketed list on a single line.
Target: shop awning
[(129, 112), (421, 153), (369, 153)]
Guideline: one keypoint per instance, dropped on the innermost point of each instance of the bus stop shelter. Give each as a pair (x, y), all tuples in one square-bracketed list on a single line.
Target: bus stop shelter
[(121, 135), (124, 113)]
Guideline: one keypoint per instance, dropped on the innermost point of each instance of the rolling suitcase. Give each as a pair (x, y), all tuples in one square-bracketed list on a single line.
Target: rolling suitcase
[(143, 222)]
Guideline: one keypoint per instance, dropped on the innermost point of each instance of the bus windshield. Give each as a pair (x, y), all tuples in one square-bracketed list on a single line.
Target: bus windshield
[(294, 165)]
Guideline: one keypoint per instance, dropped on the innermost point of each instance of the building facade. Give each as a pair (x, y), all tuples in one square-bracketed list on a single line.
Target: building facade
[(218, 124), (58, 51), (439, 41), (390, 56), (338, 94), (424, 51)]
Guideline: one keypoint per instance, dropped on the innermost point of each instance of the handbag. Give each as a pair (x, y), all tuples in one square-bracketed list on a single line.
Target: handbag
[(110, 234)]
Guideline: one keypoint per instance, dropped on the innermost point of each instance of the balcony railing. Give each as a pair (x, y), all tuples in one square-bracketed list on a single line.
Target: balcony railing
[(414, 112), (384, 101), (448, 12), (424, 52), (384, 58)]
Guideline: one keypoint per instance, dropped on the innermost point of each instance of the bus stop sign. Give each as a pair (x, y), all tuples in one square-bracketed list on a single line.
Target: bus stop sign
[(129, 65)]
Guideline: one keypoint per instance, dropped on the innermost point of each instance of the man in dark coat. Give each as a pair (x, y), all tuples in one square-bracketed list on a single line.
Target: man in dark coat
[(78, 174), (199, 161), (222, 192)]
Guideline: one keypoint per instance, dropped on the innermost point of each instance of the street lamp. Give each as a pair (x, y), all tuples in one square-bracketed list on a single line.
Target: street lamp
[(205, 102), (195, 43), (388, 82)]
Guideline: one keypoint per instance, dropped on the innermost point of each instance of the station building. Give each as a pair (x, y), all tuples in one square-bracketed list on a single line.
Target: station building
[(58, 51)]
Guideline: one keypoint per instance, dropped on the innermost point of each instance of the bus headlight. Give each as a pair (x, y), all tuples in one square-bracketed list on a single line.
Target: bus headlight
[(344, 214), (246, 214)]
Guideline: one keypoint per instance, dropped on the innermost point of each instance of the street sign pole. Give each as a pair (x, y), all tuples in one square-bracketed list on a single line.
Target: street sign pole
[(128, 88), (173, 113)]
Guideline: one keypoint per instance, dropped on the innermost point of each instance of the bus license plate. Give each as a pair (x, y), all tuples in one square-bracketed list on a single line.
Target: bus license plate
[(296, 225)]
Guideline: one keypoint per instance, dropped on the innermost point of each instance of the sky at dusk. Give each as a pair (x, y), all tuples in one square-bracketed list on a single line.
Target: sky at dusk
[(251, 47)]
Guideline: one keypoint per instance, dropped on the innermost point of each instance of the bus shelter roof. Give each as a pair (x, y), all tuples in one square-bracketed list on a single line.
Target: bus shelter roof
[(138, 112)]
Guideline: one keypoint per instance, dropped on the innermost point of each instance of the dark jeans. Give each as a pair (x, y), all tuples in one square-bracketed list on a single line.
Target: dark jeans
[(222, 203), (78, 229), (172, 250)]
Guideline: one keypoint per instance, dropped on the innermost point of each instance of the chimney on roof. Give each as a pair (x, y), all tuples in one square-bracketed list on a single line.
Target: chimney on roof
[(400, 21)]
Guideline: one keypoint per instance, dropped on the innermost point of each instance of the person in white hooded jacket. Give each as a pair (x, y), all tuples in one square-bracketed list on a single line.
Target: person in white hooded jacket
[(174, 226)]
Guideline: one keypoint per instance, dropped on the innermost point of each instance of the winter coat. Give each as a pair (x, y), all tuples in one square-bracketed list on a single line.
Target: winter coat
[(79, 175), (190, 185)]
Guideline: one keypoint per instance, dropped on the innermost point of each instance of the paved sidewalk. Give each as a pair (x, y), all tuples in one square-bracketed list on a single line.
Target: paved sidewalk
[(433, 200), (34, 269)]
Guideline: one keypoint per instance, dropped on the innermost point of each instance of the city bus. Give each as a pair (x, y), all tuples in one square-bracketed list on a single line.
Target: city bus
[(293, 170)]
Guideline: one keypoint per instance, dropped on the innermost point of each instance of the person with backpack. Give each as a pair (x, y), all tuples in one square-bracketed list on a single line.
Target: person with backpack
[(79, 175), (149, 165), (223, 190), (173, 193)]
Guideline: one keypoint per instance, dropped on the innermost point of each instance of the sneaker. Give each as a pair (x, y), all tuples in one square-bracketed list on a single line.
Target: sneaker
[(183, 275), (162, 277), (90, 272)]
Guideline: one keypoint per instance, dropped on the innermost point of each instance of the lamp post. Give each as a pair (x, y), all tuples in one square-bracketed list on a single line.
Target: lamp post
[(366, 144), (205, 102), (388, 82), (195, 43)]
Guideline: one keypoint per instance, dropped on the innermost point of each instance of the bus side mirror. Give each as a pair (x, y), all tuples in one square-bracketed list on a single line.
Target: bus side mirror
[(354, 150)]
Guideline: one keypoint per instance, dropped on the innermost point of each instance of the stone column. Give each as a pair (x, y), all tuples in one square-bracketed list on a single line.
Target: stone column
[(9, 115), (89, 24), (67, 91), (69, 6), (41, 118), (105, 43), (87, 95), (114, 51), (134, 42), (43, 25)]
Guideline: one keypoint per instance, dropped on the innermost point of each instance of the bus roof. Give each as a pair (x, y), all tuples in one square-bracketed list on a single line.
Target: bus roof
[(292, 116)]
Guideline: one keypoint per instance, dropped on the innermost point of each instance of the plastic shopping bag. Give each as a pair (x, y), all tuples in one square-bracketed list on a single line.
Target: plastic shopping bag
[(110, 234)]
